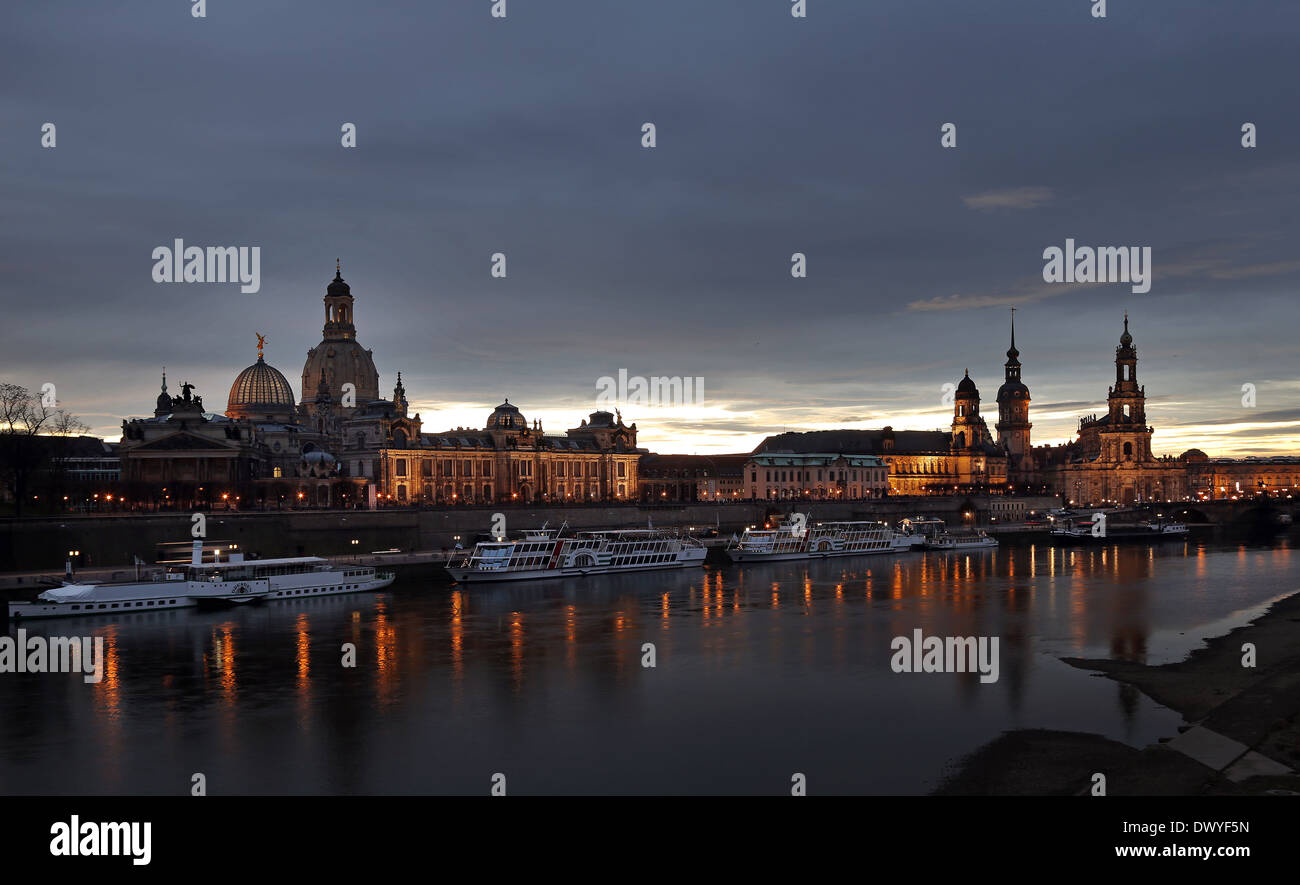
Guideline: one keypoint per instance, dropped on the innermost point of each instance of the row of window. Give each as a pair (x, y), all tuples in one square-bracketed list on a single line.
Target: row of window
[(307, 591), (466, 493), (929, 468), (107, 605), (806, 475), (644, 560), (447, 468), (850, 491)]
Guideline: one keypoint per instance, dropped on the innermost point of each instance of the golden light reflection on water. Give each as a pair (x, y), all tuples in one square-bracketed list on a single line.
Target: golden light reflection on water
[(302, 631), (517, 650), (223, 655), (106, 699), (107, 693), (386, 655), (457, 636)]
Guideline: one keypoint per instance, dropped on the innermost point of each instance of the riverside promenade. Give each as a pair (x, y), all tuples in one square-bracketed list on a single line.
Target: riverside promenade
[(40, 545)]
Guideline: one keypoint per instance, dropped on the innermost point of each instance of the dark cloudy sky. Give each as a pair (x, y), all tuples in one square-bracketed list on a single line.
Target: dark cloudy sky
[(775, 135)]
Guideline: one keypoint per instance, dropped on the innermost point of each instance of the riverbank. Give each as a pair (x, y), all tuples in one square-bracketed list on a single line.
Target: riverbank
[(1241, 737), (113, 541)]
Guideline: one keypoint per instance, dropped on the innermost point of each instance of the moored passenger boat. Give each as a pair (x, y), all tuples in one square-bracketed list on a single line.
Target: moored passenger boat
[(916, 530), (543, 553), (184, 585), (931, 533), (961, 540), (1106, 529), (795, 540)]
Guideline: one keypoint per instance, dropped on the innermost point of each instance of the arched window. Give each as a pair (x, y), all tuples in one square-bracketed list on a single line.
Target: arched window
[(1128, 451)]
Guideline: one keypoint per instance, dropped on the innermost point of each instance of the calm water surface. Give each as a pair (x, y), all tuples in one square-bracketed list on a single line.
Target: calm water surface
[(762, 672)]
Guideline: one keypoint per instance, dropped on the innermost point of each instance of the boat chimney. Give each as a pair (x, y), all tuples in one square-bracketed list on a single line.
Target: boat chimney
[(196, 552)]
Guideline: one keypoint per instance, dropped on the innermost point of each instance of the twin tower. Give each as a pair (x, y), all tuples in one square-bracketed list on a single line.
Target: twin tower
[(970, 433)]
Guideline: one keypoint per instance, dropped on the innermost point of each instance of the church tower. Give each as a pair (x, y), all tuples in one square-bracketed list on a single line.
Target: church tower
[(1013, 404), (339, 363), (1125, 436), (968, 428)]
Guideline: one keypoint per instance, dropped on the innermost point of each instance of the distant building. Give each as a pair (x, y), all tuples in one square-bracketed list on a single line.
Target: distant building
[(513, 460), (676, 478), (919, 462), (815, 475), (340, 444), (184, 443), (86, 460), (1111, 461), (57, 466), (1214, 479)]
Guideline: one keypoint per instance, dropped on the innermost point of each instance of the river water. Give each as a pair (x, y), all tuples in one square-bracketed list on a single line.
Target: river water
[(760, 672)]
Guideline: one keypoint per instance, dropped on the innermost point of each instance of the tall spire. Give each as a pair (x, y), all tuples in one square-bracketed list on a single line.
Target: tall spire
[(1013, 353), (399, 396), (163, 405)]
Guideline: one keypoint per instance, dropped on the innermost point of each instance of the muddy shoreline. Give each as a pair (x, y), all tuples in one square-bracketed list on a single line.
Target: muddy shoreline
[(1241, 732)]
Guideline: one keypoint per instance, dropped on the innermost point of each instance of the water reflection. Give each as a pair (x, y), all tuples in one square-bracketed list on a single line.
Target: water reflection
[(760, 671)]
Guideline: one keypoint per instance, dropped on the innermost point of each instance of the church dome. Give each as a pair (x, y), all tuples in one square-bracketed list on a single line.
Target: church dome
[(163, 404), (506, 416), (337, 287), (333, 363), (339, 366), (967, 386), (260, 391), (1126, 340)]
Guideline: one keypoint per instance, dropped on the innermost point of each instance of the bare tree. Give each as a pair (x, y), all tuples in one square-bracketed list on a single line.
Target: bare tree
[(24, 419)]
